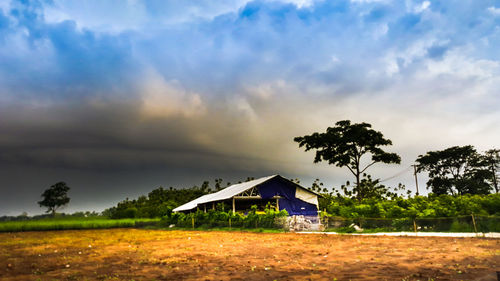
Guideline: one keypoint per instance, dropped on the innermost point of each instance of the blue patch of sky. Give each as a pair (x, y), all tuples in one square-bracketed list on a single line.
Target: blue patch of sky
[(262, 41)]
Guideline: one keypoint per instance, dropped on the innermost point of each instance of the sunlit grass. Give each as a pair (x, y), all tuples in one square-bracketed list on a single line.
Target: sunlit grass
[(71, 223)]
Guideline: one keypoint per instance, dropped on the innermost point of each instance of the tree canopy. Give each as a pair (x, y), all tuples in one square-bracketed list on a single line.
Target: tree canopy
[(492, 158), (456, 170), (345, 144), (55, 197)]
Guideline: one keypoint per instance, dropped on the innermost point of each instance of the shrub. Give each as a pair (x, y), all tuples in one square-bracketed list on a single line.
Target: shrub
[(216, 218)]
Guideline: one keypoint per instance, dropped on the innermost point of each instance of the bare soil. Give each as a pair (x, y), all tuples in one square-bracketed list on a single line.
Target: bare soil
[(134, 254)]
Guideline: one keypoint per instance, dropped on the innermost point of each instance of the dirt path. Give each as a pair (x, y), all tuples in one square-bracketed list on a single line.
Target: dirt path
[(131, 254)]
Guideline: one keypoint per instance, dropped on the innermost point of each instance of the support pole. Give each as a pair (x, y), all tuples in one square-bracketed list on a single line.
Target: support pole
[(234, 206), (213, 205), (205, 208), (414, 226), (415, 174), (277, 204)]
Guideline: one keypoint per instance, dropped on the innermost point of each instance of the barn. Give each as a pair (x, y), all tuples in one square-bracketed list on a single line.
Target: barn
[(277, 190)]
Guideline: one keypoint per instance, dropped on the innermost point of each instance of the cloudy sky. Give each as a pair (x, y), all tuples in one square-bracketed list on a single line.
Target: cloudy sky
[(120, 97)]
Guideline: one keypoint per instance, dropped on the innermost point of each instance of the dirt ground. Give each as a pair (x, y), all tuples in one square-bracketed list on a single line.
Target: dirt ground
[(133, 254)]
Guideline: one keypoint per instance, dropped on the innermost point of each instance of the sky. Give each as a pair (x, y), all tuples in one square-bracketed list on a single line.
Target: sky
[(117, 98)]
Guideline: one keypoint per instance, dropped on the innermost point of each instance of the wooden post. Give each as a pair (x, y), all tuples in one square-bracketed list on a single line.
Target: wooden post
[(213, 205), (234, 207), (277, 204), (474, 223), (205, 208), (414, 226), (192, 221), (229, 223)]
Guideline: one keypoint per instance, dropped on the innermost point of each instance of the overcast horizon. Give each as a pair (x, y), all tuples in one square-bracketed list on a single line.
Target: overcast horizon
[(117, 98)]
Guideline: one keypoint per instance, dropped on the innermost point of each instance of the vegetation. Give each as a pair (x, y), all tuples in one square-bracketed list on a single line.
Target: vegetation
[(71, 222), (432, 206), (458, 170), (492, 158), (344, 146), (160, 202), (55, 197), (157, 203), (270, 218)]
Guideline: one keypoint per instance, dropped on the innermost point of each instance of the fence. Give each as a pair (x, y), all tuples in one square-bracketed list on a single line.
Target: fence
[(471, 223)]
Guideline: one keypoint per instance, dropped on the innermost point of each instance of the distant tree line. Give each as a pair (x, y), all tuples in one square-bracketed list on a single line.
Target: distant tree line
[(157, 203), (161, 201)]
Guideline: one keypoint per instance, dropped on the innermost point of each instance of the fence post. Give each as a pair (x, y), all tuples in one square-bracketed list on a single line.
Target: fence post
[(192, 221), (474, 222), (414, 225)]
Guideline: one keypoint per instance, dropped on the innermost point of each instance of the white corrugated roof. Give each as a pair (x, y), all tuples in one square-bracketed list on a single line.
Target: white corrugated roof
[(224, 194), (192, 204)]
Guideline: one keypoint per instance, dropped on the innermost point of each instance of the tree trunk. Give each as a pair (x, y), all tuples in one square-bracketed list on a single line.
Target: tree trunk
[(360, 192), (495, 183)]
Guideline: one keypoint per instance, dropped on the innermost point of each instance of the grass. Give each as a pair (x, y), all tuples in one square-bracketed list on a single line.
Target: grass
[(72, 223)]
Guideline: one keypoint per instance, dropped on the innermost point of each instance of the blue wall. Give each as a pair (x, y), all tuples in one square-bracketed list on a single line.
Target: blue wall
[(286, 189)]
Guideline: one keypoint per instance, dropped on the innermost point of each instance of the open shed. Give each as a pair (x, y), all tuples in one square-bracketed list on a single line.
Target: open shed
[(285, 194)]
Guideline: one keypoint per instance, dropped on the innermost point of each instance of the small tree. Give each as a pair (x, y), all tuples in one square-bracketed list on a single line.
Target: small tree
[(345, 144), (55, 197)]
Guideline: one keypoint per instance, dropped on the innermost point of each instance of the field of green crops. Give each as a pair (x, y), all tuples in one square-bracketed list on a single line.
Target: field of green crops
[(72, 223)]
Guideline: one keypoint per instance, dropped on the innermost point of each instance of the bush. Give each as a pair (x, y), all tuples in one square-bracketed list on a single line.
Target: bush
[(214, 218), (460, 226)]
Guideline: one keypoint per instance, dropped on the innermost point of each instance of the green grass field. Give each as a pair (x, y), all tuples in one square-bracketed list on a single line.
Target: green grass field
[(72, 223)]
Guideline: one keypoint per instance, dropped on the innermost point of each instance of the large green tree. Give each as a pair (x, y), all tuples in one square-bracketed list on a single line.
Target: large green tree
[(456, 170), (345, 144), (55, 197), (492, 158)]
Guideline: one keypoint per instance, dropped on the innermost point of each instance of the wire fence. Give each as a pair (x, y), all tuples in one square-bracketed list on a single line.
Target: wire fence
[(471, 223)]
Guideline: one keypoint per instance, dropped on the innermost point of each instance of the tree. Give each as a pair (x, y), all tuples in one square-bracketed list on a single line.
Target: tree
[(55, 197), (456, 170), (344, 146), (492, 158)]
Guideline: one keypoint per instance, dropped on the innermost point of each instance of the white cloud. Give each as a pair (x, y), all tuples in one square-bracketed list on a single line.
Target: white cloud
[(461, 67), (163, 99), (265, 91), (242, 107), (422, 7), (370, 1), (300, 3), (494, 10)]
